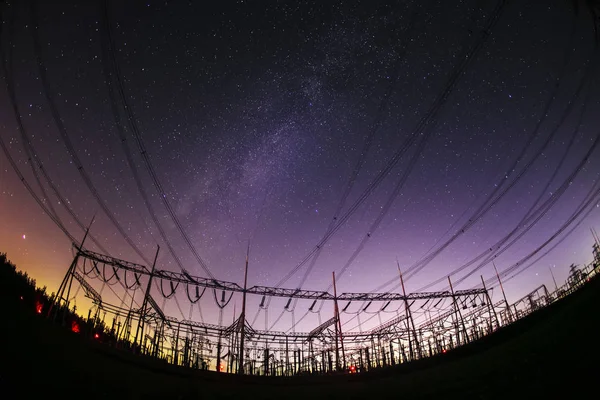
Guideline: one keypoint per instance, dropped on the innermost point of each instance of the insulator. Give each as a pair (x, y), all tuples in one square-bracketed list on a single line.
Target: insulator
[(347, 305), (386, 305), (367, 306), (197, 292), (312, 305), (223, 296), (288, 303)]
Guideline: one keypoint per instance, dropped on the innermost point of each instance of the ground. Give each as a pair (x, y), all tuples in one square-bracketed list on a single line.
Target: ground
[(552, 353)]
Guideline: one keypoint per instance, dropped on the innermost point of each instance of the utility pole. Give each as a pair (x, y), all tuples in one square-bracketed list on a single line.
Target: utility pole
[(490, 305), (69, 275), (408, 313), (176, 352), (552, 274), (219, 353), (243, 316), (596, 249), (232, 343), (140, 327), (287, 357), (503, 294), (457, 309), (595, 236), (338, 329), (128, 319)]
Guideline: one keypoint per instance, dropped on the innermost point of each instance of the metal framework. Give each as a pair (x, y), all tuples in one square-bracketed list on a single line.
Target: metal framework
[(185, 278), (422, 324), (89, 291)]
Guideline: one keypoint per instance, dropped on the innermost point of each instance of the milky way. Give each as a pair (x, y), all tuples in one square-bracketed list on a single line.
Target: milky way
[(257, 119)]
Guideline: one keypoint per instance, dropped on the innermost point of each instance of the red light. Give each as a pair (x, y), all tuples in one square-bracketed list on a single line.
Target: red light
[(96, 336), (75, 327), (21, 297), (444, 350), (38, 307), (221, 367)]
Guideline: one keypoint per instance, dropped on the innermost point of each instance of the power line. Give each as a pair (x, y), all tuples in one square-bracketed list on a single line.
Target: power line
[(491, 200), (591, 201), (533, 213), (588, 202), (385, 209), (33, 159), (11, 161), (39, 201), (73, 154), (425, 122), (465, 60), (369, 139), (550, 202), (8, 78), (123, 139), (136, 132), (30, 149)]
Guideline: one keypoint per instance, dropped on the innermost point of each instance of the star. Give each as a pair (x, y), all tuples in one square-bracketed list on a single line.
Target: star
[(291, 128)]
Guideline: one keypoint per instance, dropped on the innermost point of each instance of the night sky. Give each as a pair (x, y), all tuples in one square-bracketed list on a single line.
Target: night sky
[(256, 119)]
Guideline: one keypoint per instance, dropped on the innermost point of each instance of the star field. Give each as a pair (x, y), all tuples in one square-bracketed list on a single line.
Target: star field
[(254, 118)]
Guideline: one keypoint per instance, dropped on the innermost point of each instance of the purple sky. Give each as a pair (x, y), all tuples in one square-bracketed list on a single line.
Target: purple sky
[(256, 119)]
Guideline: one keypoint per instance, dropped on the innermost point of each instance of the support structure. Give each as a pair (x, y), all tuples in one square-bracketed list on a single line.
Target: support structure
[(553, 279), (338, 330), (241, 349), (596, 238), (231, 287), (409, 315), (503, 294), (139, 332), (490, 305), (243, 317), (457, 310), (68, 279)]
